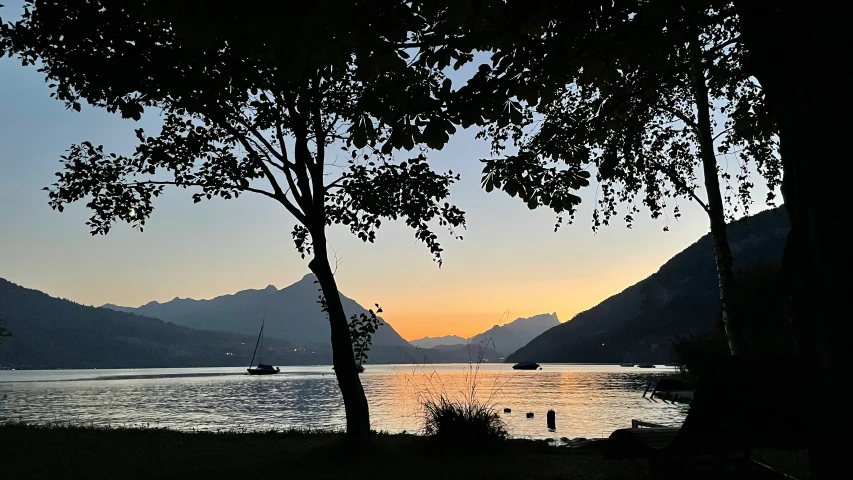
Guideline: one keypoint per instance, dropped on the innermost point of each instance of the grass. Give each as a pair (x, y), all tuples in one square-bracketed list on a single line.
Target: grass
[(71, 452), (34, 452), (461, 417), (468, 424)]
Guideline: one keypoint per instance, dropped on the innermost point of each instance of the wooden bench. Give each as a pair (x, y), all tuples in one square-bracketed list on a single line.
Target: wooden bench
[(740, 404)]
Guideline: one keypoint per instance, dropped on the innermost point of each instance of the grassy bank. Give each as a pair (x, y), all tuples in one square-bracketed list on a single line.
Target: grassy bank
[(74, 453), (28, 452)]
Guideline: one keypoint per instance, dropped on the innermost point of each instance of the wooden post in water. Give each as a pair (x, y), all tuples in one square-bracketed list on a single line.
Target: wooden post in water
[(552, 420), (648, 386)]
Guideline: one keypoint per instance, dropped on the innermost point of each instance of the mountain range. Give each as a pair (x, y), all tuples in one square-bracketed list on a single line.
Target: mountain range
[(51, 332), (432, 342), (56, 333), (505, 338), (681, 298), (292, 313), (636, 325)]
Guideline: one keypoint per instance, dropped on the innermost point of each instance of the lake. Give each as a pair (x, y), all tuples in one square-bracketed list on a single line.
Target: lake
[(589, 400)]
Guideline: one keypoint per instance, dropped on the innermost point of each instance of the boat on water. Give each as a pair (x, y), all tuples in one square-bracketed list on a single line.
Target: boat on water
[(646, 365), (526, 366), (262, 368)]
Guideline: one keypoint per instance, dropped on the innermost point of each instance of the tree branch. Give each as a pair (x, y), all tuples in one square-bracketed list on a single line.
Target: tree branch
[(197, 184), (280, 135), (261, 138), (725, 131), (302, 155), (320, 140), (679, 115), (279, 193), (266, 156), (334, 183), (678, 181), (291, 184)]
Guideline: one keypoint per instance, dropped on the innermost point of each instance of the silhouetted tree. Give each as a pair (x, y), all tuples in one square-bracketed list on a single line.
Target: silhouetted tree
[(630, 93), (253, 100), (791, 48), (786, 48)]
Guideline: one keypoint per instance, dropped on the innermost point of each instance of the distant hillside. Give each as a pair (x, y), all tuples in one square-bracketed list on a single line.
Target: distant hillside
[(516, 334), (503, 338), (455, 346), (639, 324), (430, 342), (470, 352), (55, 333), (292, 314)]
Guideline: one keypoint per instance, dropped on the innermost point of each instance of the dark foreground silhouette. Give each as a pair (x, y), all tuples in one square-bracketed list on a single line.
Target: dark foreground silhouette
[(152, 453)]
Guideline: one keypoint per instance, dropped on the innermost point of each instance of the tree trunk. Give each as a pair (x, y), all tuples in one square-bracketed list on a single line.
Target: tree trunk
[(343, 358), (716, 213), (789, 48)]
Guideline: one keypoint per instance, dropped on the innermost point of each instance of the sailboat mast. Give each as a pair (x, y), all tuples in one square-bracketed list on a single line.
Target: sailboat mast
[(259, 340), (261, 353)]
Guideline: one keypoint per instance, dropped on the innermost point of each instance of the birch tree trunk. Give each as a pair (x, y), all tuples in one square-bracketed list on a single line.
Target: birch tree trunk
[(716, 214)]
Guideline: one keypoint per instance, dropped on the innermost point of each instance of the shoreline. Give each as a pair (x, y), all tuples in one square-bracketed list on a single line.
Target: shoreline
[(83, 452), (32, 451)]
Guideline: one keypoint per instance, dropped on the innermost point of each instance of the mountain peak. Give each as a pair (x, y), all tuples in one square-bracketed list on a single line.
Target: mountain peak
[(430, 342), (291, 313), (542, 317)]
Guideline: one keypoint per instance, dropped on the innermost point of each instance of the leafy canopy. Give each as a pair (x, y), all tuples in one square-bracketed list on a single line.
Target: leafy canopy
[(605, 89), (253, 100)]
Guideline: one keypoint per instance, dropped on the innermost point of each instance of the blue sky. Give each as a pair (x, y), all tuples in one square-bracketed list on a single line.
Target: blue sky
[(510, 258)]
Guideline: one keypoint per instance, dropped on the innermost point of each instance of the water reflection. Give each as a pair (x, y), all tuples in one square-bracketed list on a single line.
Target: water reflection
[(589, 401)]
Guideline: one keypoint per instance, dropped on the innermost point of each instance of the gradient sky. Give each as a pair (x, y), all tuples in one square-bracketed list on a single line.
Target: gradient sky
[(510, 258)]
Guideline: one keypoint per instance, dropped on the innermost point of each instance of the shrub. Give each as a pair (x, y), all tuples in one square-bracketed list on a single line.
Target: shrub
[(467, 423), (468, 419)]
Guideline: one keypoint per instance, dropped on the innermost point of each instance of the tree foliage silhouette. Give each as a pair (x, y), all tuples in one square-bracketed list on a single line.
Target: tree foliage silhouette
[(784, 48), (629, 96), (249, 106)]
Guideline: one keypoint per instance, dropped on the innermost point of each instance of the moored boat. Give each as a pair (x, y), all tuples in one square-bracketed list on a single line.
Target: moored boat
[(262, 368), (526, 366)]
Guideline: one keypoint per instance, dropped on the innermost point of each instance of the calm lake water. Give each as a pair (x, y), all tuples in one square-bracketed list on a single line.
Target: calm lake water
[(589, 400)]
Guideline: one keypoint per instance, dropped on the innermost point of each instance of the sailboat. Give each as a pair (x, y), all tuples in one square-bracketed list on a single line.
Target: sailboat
[(261, 369)]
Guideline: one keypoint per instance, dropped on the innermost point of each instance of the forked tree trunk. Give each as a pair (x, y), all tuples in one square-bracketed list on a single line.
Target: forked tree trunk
[(790, 47), (343, 358), (722, 251)]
